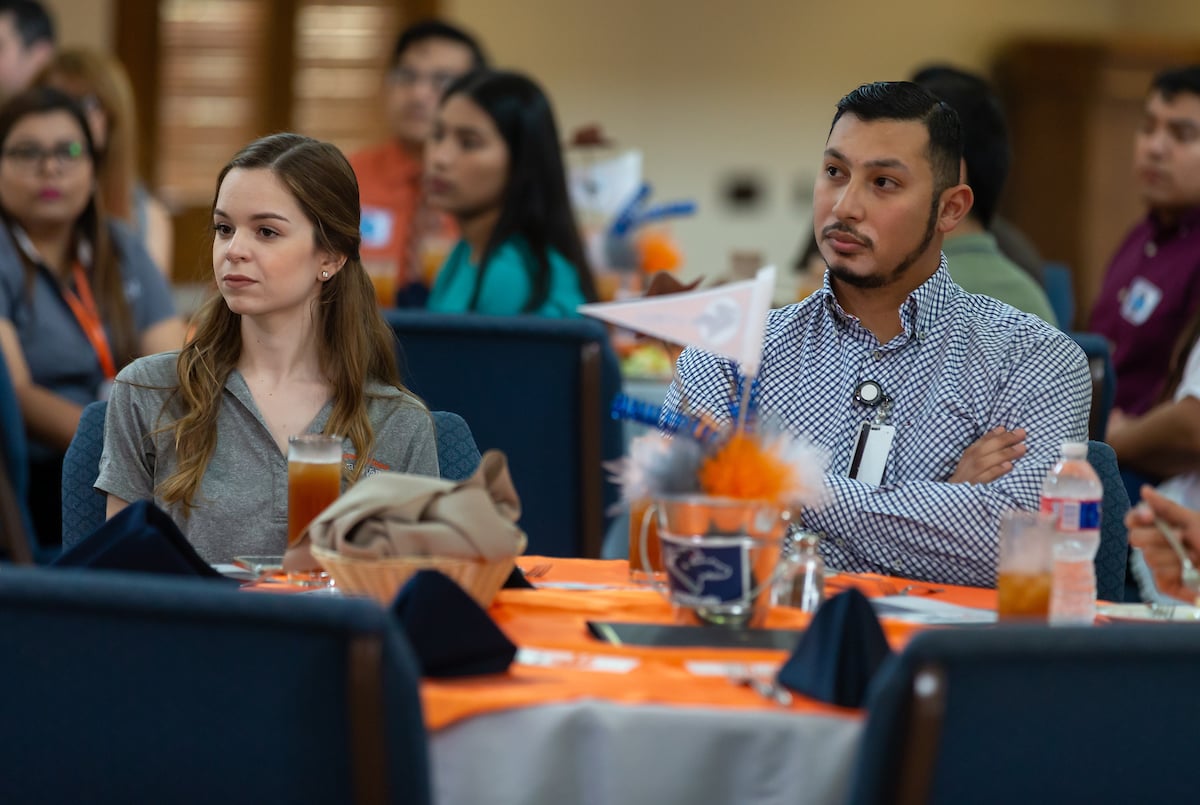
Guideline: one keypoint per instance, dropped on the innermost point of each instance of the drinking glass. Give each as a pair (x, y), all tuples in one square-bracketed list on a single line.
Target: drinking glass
[(314, 482), (646, 565), (721, 557), (1025, 570)]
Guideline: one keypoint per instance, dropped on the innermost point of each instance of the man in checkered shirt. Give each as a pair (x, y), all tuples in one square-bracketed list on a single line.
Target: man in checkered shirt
[(982, 395)]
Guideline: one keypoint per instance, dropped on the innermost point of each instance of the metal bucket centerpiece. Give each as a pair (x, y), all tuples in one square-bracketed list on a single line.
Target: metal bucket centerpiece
[(720, 556)]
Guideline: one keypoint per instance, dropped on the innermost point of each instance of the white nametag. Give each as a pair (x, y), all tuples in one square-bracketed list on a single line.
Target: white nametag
[(871, 453), (1140, 301), (376, 227)]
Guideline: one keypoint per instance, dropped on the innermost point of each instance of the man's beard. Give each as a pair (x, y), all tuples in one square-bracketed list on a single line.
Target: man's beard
[(843, 274)]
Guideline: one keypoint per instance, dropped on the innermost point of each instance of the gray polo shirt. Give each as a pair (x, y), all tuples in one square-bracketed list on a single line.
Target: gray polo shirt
[(60, 357), (241, 507)]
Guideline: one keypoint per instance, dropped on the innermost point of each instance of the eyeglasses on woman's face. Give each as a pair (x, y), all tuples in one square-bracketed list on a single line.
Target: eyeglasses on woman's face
[(30, 157)]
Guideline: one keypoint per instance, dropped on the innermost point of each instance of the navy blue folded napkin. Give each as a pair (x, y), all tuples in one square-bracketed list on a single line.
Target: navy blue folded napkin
[(517, 581), (141, 538), (450, 633), (839, 653)]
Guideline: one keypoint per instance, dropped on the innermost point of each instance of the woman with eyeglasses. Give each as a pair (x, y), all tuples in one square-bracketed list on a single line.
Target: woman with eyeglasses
[(101, 86), (494, 163), (79, 296)]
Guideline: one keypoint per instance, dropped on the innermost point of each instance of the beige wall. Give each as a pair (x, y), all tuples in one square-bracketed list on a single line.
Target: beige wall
[(707, 87), (85, 22)]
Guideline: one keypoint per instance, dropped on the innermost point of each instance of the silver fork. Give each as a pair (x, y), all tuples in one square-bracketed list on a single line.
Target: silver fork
[(1191, 576), (769, 689)]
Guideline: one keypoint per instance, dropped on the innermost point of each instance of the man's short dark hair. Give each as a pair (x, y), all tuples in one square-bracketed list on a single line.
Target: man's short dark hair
[(903, 100), (986, 147), (437, 29), (1175, 80), (30, 20)]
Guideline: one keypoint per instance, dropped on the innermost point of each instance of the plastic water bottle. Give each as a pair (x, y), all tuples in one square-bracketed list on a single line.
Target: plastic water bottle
[(1072, 495)]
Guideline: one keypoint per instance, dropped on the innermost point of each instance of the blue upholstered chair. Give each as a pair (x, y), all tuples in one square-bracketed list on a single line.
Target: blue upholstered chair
[(84, 507), (18, 543), (458, 457), (1113, 556), (129, 688), (1059, 288), (1104, 380), (1034, 714), (538, 389)]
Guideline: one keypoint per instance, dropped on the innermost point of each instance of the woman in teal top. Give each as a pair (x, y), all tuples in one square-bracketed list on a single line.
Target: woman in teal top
[(494, 163)]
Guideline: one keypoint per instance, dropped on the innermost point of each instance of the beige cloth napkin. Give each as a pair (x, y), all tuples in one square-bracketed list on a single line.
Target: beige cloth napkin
[(398, 514)]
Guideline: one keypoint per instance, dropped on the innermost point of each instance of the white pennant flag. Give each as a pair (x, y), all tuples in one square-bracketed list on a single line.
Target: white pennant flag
[(728, 320)]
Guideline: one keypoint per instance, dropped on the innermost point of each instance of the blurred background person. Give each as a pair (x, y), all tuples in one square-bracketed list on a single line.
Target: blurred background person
[(1152, 287), (79, 297), (495, 164), (292, 343), (101, 86), (27, 40), (400, 231), (975, 258), (1163, 444)]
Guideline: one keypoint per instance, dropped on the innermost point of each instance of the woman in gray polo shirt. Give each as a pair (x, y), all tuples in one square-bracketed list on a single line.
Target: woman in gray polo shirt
[(293, 343), (79, 296)]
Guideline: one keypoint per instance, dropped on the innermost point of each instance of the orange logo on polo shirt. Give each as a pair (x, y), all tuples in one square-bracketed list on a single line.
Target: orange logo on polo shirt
[(373, 466)]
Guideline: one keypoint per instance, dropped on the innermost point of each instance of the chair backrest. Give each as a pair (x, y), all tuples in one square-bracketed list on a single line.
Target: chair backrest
[(539, 389), (132, 688), (83, 507), (1113, 555), (1104, 380), (1034, 714), (1060, 290), (17, 540), (458, 456)]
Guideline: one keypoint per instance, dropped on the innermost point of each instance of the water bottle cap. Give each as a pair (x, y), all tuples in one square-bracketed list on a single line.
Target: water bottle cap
[(1074, 449)]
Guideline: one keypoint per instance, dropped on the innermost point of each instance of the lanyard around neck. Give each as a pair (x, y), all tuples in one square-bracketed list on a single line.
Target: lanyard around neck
[(83, 306), (80, 300)]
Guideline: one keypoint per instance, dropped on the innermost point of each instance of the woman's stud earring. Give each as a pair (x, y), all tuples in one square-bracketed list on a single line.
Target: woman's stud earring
[(324, 275)]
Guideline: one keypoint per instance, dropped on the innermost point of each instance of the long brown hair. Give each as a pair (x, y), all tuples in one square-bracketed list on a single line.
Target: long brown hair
[(81, 72), (354, 343), (92, 224)]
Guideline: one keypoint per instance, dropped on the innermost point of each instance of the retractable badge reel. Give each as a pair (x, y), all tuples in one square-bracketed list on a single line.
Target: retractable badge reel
[(875, 437)]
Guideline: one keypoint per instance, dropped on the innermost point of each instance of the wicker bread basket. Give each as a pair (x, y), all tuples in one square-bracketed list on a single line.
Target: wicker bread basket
[(381, 579)]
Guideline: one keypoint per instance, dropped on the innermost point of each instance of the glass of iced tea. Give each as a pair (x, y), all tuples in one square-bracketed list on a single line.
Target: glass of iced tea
[(314, 481), (643, 525), (1025, 570)]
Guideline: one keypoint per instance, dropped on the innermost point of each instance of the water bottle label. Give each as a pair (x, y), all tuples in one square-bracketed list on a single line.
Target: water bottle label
[(1073, 515)]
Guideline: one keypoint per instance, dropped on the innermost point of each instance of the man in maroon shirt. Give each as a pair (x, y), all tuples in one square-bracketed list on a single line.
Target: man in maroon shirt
[(1152, 288)]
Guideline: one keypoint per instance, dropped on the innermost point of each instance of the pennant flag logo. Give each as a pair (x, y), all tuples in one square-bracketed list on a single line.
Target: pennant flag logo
[(727, 320)]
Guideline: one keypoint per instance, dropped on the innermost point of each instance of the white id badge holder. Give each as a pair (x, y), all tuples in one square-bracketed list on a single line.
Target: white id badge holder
[(874, 440), (871, 452)]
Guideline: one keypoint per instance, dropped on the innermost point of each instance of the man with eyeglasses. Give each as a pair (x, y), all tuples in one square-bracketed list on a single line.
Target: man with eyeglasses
[(400, 233), (27, 43)]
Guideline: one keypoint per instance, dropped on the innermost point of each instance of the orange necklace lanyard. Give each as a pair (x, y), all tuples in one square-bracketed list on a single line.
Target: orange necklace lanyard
[(83, 305)]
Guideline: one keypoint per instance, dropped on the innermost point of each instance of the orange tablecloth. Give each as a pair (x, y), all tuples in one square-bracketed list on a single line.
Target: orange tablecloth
[(556, 621)]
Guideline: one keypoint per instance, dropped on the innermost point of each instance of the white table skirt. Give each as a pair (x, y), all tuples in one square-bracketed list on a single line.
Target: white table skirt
[(601, 753)]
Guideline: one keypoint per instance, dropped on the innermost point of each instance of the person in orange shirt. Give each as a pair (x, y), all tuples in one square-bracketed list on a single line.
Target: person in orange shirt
[(399, 232)]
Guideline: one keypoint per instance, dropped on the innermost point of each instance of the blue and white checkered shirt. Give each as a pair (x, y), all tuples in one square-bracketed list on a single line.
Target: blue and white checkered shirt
[(962, 365)]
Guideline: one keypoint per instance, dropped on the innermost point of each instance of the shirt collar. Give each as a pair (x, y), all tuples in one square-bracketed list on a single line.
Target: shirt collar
[(83, 249), (920, 312), (1186, 222)]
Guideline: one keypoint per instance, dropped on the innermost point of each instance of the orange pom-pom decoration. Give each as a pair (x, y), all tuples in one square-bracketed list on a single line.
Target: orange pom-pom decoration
[(657, 252), (743, 468)]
